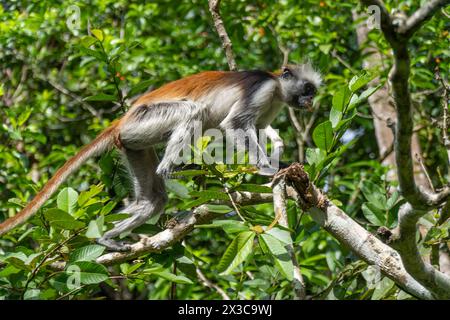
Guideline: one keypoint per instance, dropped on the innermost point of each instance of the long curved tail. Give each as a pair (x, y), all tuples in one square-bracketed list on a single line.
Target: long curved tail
[(99, 145)]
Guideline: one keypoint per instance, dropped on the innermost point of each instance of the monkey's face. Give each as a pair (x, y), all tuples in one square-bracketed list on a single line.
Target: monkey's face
[(299, 85)]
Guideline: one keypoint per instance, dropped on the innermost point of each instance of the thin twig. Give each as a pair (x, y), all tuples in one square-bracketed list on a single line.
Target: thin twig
[(283, 49), (445, 13), (35, 271), (445, 117), (214, 8), (344, 63), (425, 171), (208, 283), (233, 203)]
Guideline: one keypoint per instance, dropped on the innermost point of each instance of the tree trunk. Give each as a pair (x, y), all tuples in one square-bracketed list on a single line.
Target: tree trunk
[(383, 111)]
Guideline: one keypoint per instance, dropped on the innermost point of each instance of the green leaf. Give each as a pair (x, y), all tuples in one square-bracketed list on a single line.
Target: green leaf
[(281, 235), (8, 271), (325, 48), (237, 252), (194, 203), (115, 53), (126, 268), (202, 143), (335, 117), (357, 100), (172, 277), (60, 219), (87, 253), (392, 201), (218, 208), (98, 34), (91, 272), (343, 125), (23, 116), (375, 215), (210, 194), (382, 289), (85, 196), (88, 41), (32, 294), (93, 53), (95, 228), (315, 156), (323, 135), (283, 261), (67, 199), (374, 194), (189, 173), (341, 99), (101, 97), (179, 189), (360, 81), (253, 188), (230, 226), (116, 217), (108, 207)]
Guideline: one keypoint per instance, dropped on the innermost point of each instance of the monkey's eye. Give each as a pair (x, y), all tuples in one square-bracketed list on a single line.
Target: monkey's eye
[(309, 89), (286, 73)]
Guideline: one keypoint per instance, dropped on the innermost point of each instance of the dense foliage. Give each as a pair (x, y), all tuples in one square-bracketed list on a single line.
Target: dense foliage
[(67, 74)]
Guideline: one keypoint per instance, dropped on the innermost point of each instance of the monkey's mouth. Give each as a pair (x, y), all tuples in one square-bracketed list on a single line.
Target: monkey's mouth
[(302, 102)]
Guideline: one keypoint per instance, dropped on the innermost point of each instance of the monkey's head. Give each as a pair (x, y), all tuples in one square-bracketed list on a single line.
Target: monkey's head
[(299, 84)]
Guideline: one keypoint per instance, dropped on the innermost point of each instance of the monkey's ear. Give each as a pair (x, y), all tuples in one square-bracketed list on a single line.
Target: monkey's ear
[(286, 73)]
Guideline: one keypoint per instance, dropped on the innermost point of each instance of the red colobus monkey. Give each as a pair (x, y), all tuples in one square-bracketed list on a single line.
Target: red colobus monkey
[(247, 100)]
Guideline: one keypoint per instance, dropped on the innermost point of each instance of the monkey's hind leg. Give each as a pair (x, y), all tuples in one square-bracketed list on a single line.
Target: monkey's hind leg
[(149, 196)]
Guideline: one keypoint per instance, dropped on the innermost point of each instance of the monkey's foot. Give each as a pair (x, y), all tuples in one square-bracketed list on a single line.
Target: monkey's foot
[(114, 245)]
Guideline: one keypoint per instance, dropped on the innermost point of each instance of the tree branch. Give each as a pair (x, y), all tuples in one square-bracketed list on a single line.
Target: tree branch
[(419, 200), (419, 17), (349, 233), (399, 77), (403, 239), (279, 204), (309, 198), (208, 283), (214, 8)]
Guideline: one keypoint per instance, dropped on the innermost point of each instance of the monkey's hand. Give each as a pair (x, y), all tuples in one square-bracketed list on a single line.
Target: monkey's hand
[(267, 171), (164, 170)]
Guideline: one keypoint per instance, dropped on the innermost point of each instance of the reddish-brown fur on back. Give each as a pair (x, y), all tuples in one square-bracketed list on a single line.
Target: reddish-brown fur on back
[(191, 87)]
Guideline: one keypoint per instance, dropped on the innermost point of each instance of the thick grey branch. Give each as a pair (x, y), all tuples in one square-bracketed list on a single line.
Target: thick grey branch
[(178, 229), (279, 204), (404, 241), (349, 233), (419, 199), (399, 78), (161, 240)]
